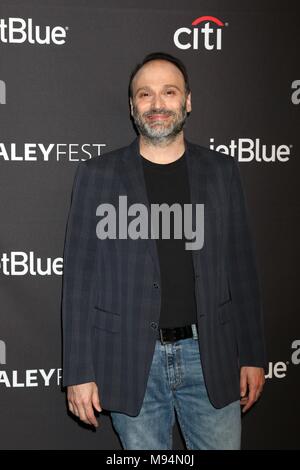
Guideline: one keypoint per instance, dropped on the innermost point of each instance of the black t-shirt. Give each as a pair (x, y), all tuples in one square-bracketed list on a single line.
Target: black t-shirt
[(168, 183)]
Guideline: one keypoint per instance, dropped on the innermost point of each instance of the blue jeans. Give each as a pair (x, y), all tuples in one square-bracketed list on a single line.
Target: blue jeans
[(176, 381)]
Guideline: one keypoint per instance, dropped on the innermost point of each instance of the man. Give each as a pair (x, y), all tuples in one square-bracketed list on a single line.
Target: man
[(151, 327)]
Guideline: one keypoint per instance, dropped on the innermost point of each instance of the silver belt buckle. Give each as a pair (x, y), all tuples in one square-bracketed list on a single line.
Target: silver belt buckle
[(161, 336)]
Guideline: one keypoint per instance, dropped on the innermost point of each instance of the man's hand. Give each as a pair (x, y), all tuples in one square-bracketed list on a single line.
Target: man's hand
[(254, 379), (81, 399)]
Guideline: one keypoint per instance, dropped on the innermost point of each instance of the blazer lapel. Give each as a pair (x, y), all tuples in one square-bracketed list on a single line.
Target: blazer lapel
[(197, 180), (132, 175)]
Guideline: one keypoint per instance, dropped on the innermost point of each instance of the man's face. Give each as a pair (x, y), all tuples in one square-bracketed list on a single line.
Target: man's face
[(159, 105)]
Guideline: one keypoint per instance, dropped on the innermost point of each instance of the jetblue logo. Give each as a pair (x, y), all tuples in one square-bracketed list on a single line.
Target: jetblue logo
[(278, 370), (209, 36), (248, 150), (19, 30), (19, 263)]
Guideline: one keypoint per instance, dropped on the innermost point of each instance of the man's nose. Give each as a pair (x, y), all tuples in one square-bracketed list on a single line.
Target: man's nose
[(158, 101)]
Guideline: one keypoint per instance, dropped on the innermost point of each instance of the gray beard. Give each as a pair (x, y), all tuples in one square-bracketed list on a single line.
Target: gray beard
[(160, 135)]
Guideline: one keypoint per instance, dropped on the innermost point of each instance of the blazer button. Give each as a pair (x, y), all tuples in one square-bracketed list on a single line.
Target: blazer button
[(154, 325), (155, 285)]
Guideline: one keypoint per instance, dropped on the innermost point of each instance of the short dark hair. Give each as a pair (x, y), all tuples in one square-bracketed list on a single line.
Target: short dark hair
[(160, 56)]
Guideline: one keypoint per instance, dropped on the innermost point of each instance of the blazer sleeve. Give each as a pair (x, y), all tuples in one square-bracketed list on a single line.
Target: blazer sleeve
[(79, 260), (244, 282)]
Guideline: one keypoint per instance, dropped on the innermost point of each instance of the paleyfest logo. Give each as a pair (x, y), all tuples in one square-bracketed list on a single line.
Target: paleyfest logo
[(206, 32), (27, 378), (39, 152)]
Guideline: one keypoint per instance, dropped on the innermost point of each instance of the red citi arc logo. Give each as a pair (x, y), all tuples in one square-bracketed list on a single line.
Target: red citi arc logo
[(208, 36)]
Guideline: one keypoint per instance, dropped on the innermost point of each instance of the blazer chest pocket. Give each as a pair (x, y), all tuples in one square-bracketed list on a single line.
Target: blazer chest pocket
[(106, 320), (224, 311)]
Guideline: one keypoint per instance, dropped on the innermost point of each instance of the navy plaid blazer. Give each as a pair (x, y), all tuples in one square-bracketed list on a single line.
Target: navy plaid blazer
[(111, 288)]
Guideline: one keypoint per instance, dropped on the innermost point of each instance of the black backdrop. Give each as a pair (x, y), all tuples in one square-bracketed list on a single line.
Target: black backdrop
[(67, 100)]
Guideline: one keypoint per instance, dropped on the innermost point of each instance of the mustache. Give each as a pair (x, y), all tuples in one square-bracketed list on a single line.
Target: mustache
[(159, 111)]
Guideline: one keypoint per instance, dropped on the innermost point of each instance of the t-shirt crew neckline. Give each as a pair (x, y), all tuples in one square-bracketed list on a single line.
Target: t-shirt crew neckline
[(163, 166)]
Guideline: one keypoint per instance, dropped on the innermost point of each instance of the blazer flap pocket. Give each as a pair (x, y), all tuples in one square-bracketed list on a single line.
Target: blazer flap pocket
[(106, 320), (224, 311)]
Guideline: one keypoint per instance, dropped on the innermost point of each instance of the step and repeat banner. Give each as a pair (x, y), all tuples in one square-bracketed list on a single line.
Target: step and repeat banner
[(64, 71)]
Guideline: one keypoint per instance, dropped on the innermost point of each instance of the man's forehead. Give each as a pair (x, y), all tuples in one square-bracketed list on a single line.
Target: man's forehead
[(158, 71)]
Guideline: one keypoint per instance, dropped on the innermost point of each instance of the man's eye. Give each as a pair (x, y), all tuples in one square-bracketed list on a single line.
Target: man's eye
[(145, 94), (172, 92)]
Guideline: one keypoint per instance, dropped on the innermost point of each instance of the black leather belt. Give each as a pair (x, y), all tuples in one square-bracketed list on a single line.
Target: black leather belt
[(169, 335)]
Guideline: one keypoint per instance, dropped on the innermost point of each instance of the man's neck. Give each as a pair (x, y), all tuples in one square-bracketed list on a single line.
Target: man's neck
[(166, 152)]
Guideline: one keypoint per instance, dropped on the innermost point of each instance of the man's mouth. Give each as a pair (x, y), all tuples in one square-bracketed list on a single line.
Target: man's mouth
[(157, 117)]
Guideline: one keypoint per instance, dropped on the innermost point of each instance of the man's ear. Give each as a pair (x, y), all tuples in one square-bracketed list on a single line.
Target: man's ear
[(189, 102), (131, 105)]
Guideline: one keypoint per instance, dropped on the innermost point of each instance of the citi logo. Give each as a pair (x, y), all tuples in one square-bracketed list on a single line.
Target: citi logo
[(209, 36), (2, 92), (18, 30), (248, 150), (18, 263)]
